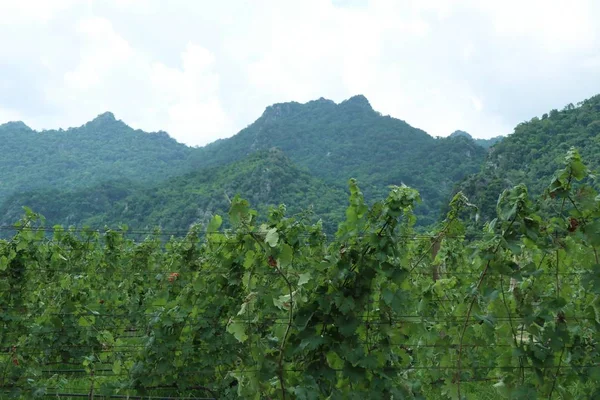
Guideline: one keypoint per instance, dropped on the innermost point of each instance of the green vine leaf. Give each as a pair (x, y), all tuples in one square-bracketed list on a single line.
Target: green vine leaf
[(272, 237), (238, 330)]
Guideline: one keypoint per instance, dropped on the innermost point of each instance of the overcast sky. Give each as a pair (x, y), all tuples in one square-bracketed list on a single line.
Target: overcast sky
[(203, 70)]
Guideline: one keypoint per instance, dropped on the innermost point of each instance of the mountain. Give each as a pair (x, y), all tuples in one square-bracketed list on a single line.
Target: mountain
[(264, 178), (336, 142), (102, 149), (535, 151), (333, 142), (485, 143)]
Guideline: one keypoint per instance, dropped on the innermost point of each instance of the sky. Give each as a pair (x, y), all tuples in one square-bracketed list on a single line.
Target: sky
[(203, 70)]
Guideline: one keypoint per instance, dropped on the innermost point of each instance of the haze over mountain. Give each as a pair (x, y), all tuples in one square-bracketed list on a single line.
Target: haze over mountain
[(333, 142)]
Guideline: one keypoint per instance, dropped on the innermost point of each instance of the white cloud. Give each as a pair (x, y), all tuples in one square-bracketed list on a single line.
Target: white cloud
[(111, 75), (37, 11), (190, 97), (477, 103), (555, 24), (467, 52), (203, 70), (104, 50), (7, 115), (591, 62)]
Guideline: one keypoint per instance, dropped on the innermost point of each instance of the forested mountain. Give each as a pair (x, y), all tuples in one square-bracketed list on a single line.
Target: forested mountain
[(339, 141), (102, 149), (534, 151), (105, 161), (105, 172), (264, 178), (485, 143)]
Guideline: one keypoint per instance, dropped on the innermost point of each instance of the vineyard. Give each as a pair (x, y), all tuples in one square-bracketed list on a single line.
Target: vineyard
[(270, 307)]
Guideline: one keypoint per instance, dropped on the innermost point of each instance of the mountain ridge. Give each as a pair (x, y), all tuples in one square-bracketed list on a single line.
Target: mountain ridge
[(15, 125), (351, 140), (358, 101), (332, 141), (103, 148)]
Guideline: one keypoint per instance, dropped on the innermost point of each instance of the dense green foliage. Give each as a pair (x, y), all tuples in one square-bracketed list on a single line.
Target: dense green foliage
[(534, 151), (77, 176), (351, 140), (265, 178), (278, 310), (103, 149)]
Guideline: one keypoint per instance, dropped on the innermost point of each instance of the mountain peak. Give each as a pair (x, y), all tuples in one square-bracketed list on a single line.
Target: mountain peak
[(322, 101), (105, 117), (281, 110), (459, 133), (106, 122), (359, 101), (15, 125)]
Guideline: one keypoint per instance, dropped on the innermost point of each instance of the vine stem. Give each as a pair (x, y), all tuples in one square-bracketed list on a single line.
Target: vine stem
[(438, 237), (557, 277), (557, 282), (368, 326), (289, 324), (512, 328), (92, 376), (6, 365), (470, 309), (365, 251), (569, 179), (519, 307), (287, 330), (557, 371), (464, 328), (562, 207)]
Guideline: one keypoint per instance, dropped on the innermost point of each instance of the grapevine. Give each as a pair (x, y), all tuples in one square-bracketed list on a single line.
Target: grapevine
[(272, 307)]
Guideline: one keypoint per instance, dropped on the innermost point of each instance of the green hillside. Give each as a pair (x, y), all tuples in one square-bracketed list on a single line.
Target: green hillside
[(333, 142), (534, 151), (265, 178), (102, 149), (351, 140), (105, 172)]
